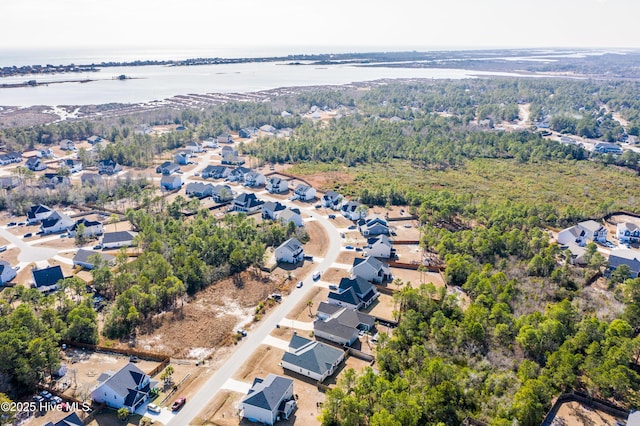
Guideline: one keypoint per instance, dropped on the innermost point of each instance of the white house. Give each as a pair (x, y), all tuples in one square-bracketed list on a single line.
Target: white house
[(353, 293), (226, 151), (311, 358), (374, 225), (247, 203), (628, 257), (67, 145), (353, 210), (290, 251), (221, 193), (7, 273), (371, 269), (46, 279), (182, 157), (74, 166), (193, 146), (56, 222), (254, 179), (272, 209), (304, 192), (573, 235), (108, 167), (35, 164), (128, 388), (628, 232), (291, 215), (331, 199), (268, 400), (341, 325), (215, 172), (199, 190), (83, 258), (170, 182), (224, 138), (111, 240), (594, 231), (276, 185), (237, 174), (38, 213), (380, 246), (92, 228)]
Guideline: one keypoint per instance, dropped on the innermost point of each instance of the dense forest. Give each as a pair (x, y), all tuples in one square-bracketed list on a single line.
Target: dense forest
[(517, 323)]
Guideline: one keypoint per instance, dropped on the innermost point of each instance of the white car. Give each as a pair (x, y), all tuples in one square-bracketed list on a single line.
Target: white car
[(153, 408)]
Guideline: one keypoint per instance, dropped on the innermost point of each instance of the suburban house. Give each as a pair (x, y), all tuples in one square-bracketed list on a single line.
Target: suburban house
[(129, 387), (224, 138), (247, 132), (572, 235), (607, 148), (38, 213), (380, 246), (182, 158), (222, 193), (304, 193), (53, 180), (199, 189), (276, 185), (210, 143), (168, 168), (67, 145), (285, 132), (352, 210), (628, 233), (272, 209), (247, 203), (71, 419), (108, 167), (10, 157), (374, 225), (9, 182), (594, 231), (332, 200), (268, 400), (7, 273), (74, 166), (628, 257), (254, 179), (341, 325), (311, 358), (171, 182), (35, 164), (84, 258), (193, 146), (267, 128), (91, 179), (577, 254), (56, 222), (371, 269), (92, 228), (117, 239), (94, 140), (215, 172), (228, 150), (237, 174), (291, 215), (46, 279), (290, 251), (233, 160), (353, 293)]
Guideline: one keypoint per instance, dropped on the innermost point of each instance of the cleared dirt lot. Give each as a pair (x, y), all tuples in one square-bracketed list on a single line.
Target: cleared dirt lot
[(383, 307), (416, 277), (575, 414), (301, 311)]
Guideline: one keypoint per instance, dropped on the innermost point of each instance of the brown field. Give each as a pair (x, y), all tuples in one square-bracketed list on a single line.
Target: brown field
[(415, 277), (383, 307), (347, 257), (301, 310), (575, 414), (408, 253), (334, 275)]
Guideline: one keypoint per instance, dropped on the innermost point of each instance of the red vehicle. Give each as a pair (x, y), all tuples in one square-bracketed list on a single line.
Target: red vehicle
[(178, 403)]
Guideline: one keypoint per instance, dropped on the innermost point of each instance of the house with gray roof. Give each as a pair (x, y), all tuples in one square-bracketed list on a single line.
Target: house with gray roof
[(84, 258), (9, 182), (370, 269), (221, 193), (7, 273), (374, 225), (341, 325), (628, 257), (332, 199), (254, 179), (91, 179), (199, 189), (268, 400), (117, 239), (108, 167), (215, 172), (380, 246), (353, 293), (128, 388), (290, 251), (276, 185), (74, 166), (352, 210), (272, 209), (168, 168), (594, 231), (71, 419), (291, 215), (224, 138), (233, 160), (628, 233), (35, 164), (237, 174), (572, 235), (56, 222), (311, 358), (304, 192)]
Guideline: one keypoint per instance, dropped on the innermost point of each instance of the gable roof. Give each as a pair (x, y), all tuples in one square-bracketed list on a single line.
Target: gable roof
[(47, 276), (70, 420), (128, 383), (292, 244), (83, 255), (86, 222), (331, 195), (590, 225), (54, 218), (380, 239), (116, 237), (34, 210), (311, 355), (274, 206), (268, 393), (347, 295), (627, 257)]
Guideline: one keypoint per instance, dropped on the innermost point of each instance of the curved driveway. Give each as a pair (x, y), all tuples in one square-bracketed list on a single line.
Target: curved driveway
[(255, 338), (27, 252)]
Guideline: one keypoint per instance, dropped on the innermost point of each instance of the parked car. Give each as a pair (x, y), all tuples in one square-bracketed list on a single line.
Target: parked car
[(333, 287), (318, 206), (3, 248), (28, 234), (332, 216), (358, 248), (98, 247), (153, 408), (46, 394), (316, 275), (22, 223), (56, 400), (300, 283), (134, 358), (11, 224), (349, 247), (178, 403), (352, 227), (242, 332)]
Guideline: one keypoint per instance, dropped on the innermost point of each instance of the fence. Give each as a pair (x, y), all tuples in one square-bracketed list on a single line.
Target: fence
[(359, 354), (130, 352), (588, 401), (415, 266)]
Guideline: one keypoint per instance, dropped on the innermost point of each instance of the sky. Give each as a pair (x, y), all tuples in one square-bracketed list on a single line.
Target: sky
[(314, 26)]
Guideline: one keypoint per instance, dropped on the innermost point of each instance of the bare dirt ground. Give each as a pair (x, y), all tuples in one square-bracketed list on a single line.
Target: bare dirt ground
[(301, 310), (575, 414), (416, 278), (317, 239), (408, 253), (333, 275), (347, 257), (383, 307)]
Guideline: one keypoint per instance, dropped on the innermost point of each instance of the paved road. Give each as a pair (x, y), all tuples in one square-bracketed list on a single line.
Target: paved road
[(27, 252), (256, 336)]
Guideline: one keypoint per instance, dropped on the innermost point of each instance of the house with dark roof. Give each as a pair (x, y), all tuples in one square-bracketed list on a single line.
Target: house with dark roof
[(128, 388), (94, 140), (247, 132), (332, 200), (54, 180), (117, 239), (311, 358), (108, 167), (168, 168), (276, 185), (370, 269), (374, 225), (7, 273), (215, 172), (290, 251), (193, 146), (74, 166), (353, 293), (380, 246), (46, 279), (92, 228), (304, 192), (199, 189), (628, 232), (170, 182), (607, 148), (254, 179), (247, 203), (352, 210), (85, 258), (221, 193), (38, 213), (341, 325), (628, 257), (268, 400), (56, 222), (272, 209), (224, 138), (35, 164), (91, 179), (71, 419), (237, 174), (233, 160), (10, 157)]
